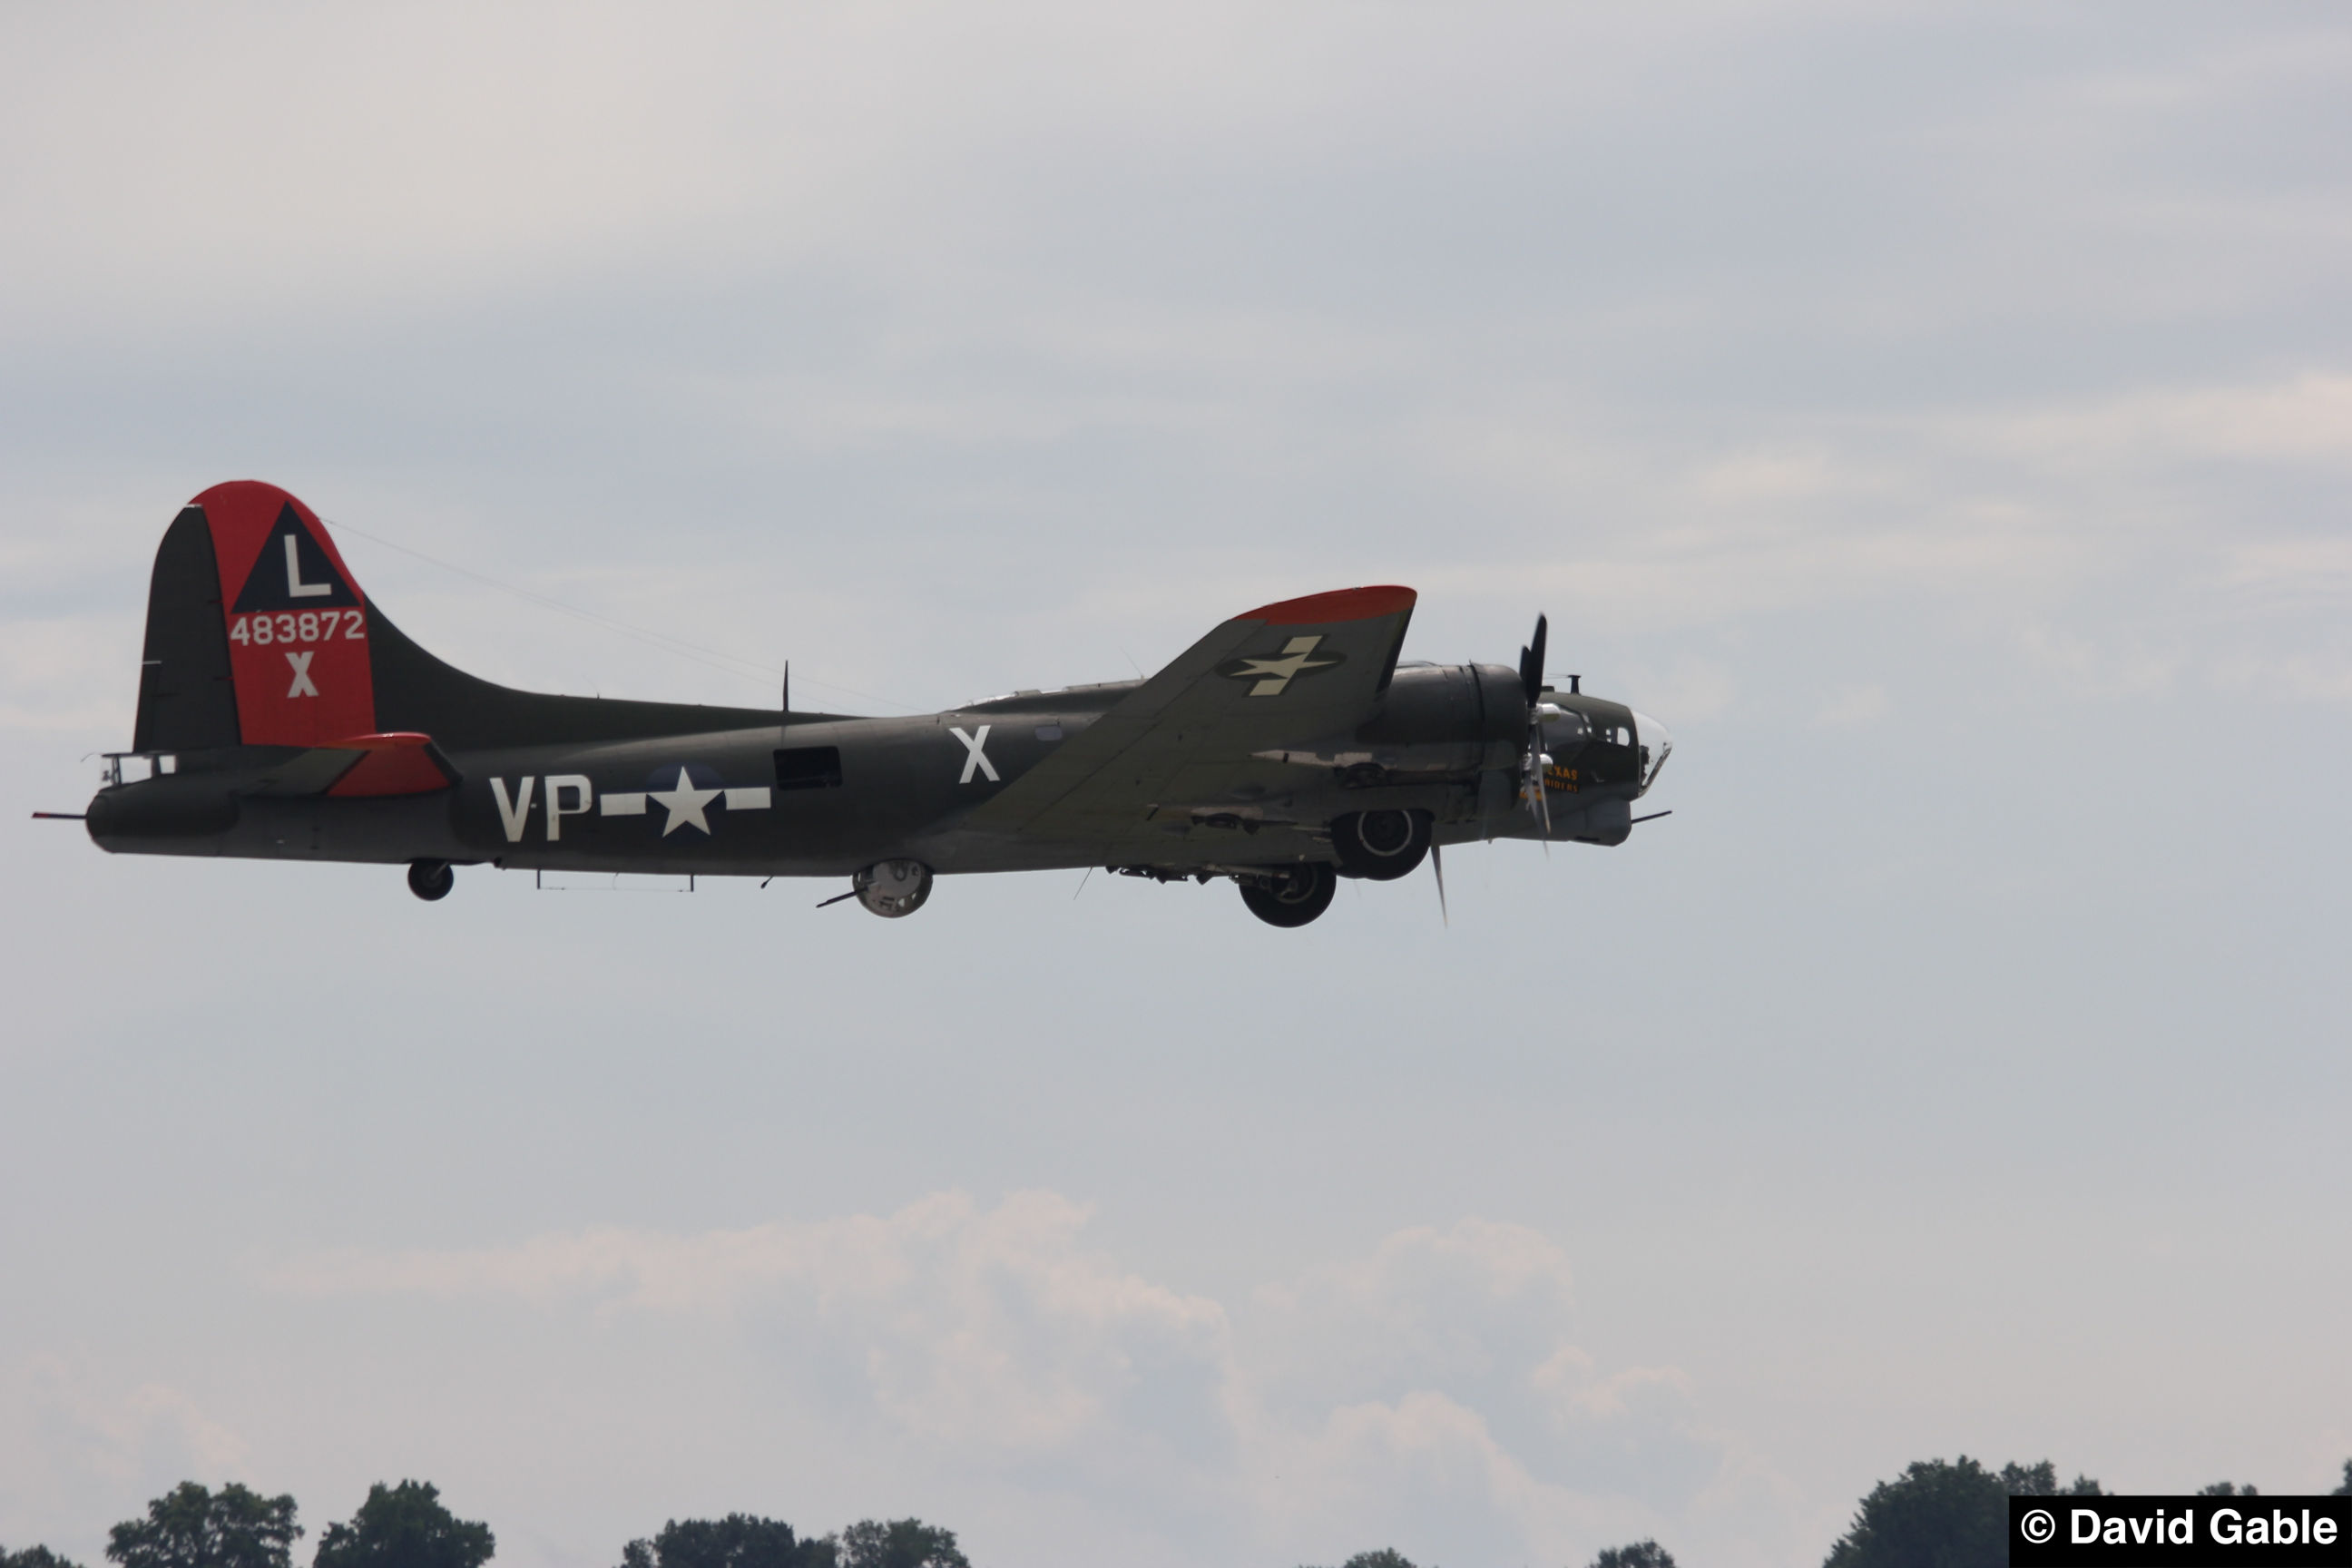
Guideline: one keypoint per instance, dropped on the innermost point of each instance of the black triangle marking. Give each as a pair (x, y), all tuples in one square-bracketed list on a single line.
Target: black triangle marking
[(271, 586)]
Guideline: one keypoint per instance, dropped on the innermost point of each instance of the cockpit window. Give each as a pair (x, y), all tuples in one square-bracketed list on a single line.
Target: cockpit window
[(1568, 733)]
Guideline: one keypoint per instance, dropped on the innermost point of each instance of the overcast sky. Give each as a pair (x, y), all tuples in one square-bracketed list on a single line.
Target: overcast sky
[(1941, 416)]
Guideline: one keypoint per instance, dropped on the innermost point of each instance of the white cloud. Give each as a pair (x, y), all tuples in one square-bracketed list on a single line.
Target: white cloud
[(2291, 575), (2304, 419), (77, 1441), (1435, 1373), (332, 156), (1378, 1470), (968, 1326)]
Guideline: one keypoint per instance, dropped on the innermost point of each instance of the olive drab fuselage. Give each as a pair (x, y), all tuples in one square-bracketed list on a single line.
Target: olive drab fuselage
[(282, 716), (871, 789)]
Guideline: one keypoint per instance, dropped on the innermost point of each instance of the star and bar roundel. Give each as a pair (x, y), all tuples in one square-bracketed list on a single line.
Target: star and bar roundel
[(685, 795)]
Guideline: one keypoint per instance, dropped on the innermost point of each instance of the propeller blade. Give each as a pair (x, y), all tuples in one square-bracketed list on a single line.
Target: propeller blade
[(1543, 799), (1437, 863), (1531, 663)]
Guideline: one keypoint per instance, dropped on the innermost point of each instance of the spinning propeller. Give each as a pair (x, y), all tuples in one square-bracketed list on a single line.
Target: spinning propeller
[(1533, 759), (1536, 758)]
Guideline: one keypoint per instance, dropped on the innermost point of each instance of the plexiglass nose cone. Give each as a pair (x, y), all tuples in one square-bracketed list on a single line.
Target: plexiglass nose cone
[(1656, 744)]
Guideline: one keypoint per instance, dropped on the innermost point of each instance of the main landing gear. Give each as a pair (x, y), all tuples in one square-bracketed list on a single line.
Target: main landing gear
[(1289, 895), (1381, 845), (431, 880)]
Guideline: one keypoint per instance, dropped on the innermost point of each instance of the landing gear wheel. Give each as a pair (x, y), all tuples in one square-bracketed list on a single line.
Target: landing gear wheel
[(1381, 845), (1290, 895), (893, 888), (431, 880)]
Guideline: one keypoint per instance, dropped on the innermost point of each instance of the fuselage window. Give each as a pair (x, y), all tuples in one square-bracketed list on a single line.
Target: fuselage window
[(809, 767)]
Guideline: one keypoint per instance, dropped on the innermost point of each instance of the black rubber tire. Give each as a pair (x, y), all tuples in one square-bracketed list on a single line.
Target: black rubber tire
[(1291, 895), (1381, 845), (431, 880)]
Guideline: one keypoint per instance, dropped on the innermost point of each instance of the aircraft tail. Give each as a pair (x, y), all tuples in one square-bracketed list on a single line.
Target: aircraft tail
[(257, 632), (257, 635)]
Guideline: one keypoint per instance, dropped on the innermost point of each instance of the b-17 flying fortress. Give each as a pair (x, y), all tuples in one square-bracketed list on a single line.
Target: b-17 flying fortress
[(281, 715)]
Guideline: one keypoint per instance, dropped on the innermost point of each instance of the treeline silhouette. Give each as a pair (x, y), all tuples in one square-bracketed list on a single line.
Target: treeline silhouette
[(407, 1526), (1935, 1515)]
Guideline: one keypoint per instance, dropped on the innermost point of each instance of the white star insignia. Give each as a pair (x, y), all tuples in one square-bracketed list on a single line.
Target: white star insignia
[(684, 802)]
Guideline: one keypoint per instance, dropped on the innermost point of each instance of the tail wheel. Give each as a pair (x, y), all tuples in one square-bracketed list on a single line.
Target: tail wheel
[(1290, 895), (431, 880), (1381, 845)]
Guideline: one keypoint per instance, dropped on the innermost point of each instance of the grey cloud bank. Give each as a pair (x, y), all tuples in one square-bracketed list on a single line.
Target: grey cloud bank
[(1938, 415)]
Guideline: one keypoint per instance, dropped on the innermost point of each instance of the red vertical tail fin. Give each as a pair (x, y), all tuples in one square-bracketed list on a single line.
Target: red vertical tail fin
[(277, 620), (257, 635)]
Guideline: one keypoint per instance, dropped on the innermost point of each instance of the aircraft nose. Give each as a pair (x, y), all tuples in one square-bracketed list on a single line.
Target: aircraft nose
[(1657, 745)]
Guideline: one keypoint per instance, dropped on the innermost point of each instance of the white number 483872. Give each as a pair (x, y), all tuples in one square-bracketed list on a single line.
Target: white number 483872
[(309, 626)]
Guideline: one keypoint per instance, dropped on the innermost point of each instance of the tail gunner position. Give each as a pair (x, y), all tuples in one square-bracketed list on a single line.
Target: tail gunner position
[(282, 717)]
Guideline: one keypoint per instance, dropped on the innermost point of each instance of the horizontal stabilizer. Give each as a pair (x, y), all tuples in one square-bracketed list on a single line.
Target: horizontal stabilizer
[(399, 763), (360, 766)]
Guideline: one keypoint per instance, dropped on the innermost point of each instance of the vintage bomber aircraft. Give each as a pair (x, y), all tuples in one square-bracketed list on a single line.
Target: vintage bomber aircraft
[(281, 715)]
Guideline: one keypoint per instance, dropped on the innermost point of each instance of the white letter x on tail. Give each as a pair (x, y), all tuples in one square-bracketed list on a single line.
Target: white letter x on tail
[(975, 755), (301, 663)]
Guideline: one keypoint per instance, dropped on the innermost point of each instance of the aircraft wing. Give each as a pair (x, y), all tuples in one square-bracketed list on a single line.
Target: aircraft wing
[(1281, 673)]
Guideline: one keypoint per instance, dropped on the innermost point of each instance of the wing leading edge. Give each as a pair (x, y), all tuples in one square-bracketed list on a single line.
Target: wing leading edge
[(1283, 672)]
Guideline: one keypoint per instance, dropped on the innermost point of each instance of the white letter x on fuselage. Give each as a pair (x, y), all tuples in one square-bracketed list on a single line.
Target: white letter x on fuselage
[(302, 686), (975, 756)]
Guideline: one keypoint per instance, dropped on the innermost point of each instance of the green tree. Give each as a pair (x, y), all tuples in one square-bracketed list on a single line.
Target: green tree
[(42, 1557), (193, 1528), (1945, 1516), (738, 1540), (900, 1544), (2041, 1480), (1640, 1554), (2226, 1489), (2345, 1489), (1386, 1557), (404, 1527)]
